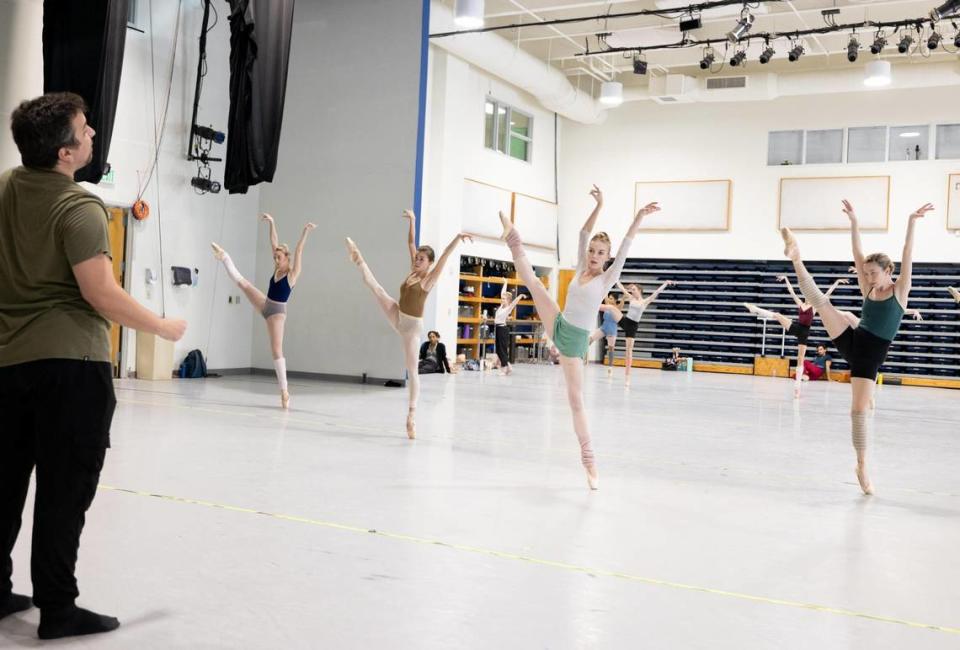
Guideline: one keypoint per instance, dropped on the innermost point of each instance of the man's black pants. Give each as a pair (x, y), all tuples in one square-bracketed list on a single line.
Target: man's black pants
[(54, 415)]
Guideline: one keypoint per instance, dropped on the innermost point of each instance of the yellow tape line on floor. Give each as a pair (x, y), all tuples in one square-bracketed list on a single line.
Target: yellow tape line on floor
[(548, 563)]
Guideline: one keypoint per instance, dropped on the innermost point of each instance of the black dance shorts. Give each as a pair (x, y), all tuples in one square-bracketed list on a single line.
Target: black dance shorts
[(865, 352), (629, 327), (801, 332)]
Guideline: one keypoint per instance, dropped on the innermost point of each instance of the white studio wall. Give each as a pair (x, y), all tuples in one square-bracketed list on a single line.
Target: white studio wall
[(182, 221), (647, 142), (347, 162), (465, 182)]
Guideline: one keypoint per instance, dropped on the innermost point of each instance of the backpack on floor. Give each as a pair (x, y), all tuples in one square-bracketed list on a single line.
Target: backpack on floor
[(193, 366)]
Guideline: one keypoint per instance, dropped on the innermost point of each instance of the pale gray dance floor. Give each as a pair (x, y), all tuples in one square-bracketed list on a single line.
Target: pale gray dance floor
[(728, 516)]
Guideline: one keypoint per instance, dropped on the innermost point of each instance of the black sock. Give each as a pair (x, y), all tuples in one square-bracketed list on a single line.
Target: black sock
[(13, 603), (73, 621)]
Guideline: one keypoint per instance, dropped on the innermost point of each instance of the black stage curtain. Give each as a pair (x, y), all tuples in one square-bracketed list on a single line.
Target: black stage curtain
[(83, 53), (260, 32)]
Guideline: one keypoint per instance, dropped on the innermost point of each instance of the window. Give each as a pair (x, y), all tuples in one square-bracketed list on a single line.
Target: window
[(507, 130), (785, 148), (948, 141), (824, 146), (867, 144), (133, 14), (909, 142)]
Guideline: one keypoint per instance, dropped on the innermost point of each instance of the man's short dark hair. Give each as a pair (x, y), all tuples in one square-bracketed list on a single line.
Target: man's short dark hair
[(43, 125)]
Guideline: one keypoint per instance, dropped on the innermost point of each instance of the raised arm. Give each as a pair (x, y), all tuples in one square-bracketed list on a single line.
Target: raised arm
[(613, 272), (591, 221), (833, 287), (516, 301), (904, 280), (411, 234), (659, 290), (435, 272), (857, 245), (298, 253), (584, 238), (274, 240), (786, 281), (504, 291)]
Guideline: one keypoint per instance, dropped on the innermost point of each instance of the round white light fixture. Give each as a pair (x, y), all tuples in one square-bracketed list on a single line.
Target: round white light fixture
[(468, 14), (877, 74), (611, 93)]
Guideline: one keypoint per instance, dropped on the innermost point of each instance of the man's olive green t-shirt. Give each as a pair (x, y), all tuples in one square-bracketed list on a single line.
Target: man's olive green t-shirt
[(48, 223)]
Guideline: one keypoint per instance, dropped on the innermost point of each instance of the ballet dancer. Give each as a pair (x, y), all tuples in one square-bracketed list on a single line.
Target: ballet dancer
[(406, 315), (631, 320), (273, 306), (612, 314), (800, 329), (570, 330), (865, 345), (502, 330)]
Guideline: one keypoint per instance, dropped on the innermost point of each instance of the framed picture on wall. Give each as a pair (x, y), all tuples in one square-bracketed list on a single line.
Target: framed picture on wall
[(814, 203), (702, 206), (953, 202)]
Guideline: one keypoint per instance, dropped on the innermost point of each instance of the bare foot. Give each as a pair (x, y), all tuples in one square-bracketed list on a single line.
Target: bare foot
[(284, 399), (411, 424), (507, 226), (593, 477), (218, 252), (864, 480), (791, 249), (955, 293)]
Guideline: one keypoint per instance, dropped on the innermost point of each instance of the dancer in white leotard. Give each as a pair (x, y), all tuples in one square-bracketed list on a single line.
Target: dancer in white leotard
[(502, 330), (631, 320), (571, 329)]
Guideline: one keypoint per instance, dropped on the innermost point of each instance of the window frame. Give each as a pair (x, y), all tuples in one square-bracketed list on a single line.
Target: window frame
[(510, 134)]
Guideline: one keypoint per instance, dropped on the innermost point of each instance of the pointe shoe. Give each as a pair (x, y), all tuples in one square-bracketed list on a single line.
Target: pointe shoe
[(284, 399), (507, 226), (864, 481), (954, 292), (411, 426), (791, 249), (218, 251), (593, 478), (355, 255)]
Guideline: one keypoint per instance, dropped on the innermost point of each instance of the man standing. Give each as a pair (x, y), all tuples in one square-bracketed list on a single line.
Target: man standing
[(57, 296)]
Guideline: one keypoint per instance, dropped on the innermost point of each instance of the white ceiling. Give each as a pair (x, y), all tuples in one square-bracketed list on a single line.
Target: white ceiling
[(561, 44)]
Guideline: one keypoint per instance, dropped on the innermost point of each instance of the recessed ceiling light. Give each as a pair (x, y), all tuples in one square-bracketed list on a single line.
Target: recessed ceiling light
[(910, 134)]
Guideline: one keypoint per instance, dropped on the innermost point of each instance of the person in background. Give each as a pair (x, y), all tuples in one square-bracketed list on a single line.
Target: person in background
[(57, 298), (433, 355), (819, 366)]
